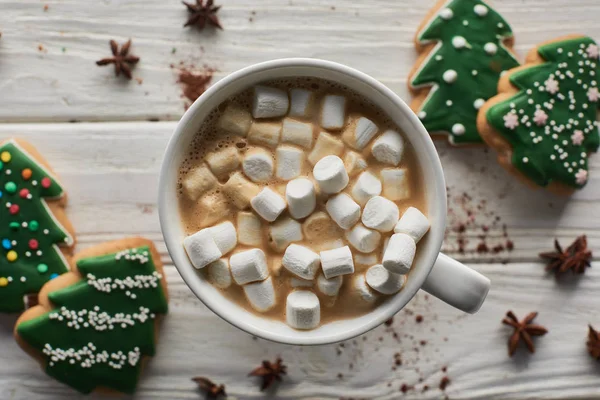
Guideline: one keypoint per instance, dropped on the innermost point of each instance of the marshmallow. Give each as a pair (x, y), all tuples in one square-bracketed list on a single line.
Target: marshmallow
[(354, 163), (395, 184), (365, 260), (299, 102), (301, 198), (224, 236), (384, 281), (329, 287), (320, 226), (265, 133), (249, 229), (289, 162), (303, 310), (235, 120), (325, 145), (268, 204), (328, 245), (381, 214), (363, 239), (297, 282), (269, 102), (400, 253), (224, 161), (284, 232), (388, 147), (301, 261), (359, 132), (362, 290), (201, 249), (367, 185), (337, 262), (219, 274), (330, 174), (198, 181), (413, 223), (240, 190), (212, 209), (343, 210), (333, 112), (296, 132), (258, 165), (249, 266), (260, 295)]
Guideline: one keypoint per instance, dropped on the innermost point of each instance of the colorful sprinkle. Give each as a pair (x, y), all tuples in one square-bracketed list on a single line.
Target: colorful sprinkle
[(42, 268), (33, 244), (33, 225), (53, 276), (11, 256), (46, 182), (24, 193), (14, 226), (26, 174), (10, 187), (3, 282), (14, 209), (5, 156), (6, 244)]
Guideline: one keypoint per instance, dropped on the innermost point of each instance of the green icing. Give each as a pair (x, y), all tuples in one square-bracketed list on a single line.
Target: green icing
[(32, 221), (469, 36), (101, 326), (555, 110)]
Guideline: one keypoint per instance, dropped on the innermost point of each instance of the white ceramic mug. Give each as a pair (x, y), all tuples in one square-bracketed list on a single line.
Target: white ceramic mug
[(433, 272)]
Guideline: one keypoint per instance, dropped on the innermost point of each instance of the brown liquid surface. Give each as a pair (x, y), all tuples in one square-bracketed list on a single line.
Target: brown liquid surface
[(347, 304)]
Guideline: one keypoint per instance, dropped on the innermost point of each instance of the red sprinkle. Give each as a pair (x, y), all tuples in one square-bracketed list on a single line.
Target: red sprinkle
[(33, 244), (14, 209), (46, 182), (23, 193)]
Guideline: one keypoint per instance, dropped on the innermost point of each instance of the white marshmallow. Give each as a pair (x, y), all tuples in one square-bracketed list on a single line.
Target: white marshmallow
[(249, 229), (261, 295), (381, 214), (258, 165), (413, 223), (296, 132), (359, 132), (289, 162), (240, 190), (224, 236), (235, 120), (365, 260), (363, 239), (219, 274), (265, 133), (301, 261), (320, 226), (388, 148), (198, 181), (301, 197), (284, 232), (325, 145), (224, 161), (329, 287), (400, 253), (362, 290), (343, 210), (337, 262), (330, 174), (395, 184), (367, 185), (249, 266), (297, 282), (333, 112), (328, 245), (384, 281), (303, 310), (354, 163), (201, 249), (269, 102), (268, 204), (300, 102)]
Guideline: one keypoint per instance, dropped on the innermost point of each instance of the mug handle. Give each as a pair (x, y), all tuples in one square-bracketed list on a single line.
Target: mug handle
[(456, 284)]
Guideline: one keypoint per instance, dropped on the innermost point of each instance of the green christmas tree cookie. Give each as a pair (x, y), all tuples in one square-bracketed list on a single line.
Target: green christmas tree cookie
[(464, 46), (94, 325)]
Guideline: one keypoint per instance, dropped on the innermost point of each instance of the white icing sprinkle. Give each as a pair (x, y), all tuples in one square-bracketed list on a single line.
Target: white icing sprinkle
[(450, 76), (88, 356), (137, 282), (480, 10), (478, 103), (490, 48), (99, 321), (446, 14), (459, 42), (458, 129)]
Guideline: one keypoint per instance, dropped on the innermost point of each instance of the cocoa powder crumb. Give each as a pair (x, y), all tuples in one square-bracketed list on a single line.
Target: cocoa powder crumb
[(389, 322), (419, 318), (444, 368), (423, 342), (444, 383), (404, 388)]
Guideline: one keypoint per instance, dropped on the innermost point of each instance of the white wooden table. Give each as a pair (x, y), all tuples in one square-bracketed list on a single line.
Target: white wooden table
[(109, 162)]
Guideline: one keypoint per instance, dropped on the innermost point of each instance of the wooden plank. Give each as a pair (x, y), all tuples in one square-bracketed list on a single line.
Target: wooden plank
[(60, 82)]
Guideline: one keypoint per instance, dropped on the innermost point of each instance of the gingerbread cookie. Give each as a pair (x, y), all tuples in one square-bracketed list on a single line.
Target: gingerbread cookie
[(543, 121), (464, 46), (35, 234), (96, 324)]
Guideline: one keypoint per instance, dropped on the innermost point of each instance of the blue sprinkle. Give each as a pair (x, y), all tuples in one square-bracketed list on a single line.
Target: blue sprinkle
[(6, 244), (0, 194), (53, 276)]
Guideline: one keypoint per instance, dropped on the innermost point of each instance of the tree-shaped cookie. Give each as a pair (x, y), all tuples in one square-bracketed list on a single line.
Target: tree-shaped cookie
[(35, 234), (543, 121), (464, 46), (94, 325)]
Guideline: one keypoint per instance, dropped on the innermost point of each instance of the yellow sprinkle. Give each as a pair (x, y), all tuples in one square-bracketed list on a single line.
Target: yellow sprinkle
[(3, 282), (5, 156), (11, 255)]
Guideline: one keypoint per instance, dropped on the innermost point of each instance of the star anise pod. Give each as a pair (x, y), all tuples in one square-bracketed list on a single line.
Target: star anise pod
[(576, 257), (121, 59), (202, 13), (213, 391), (524, 330), (269, 372), (593, 343)]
